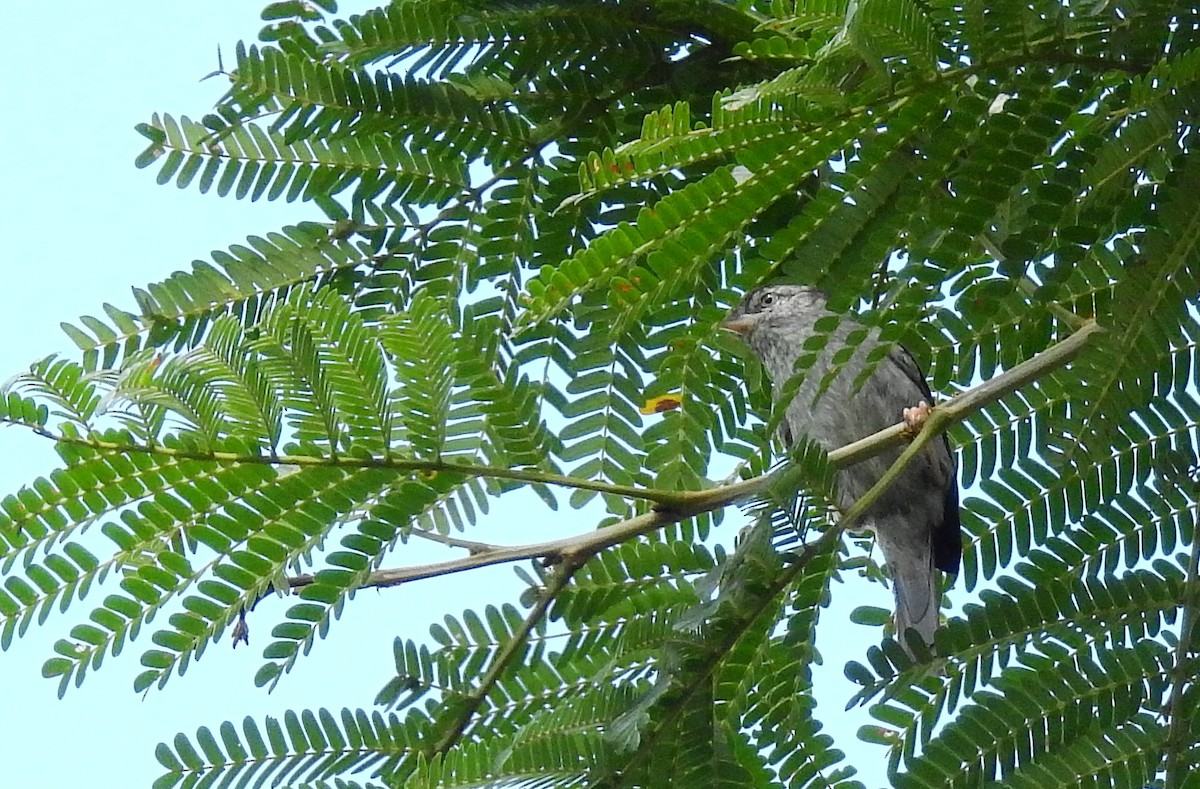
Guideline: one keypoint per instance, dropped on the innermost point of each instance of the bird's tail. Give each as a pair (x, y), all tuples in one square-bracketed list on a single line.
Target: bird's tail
[(914, 584)]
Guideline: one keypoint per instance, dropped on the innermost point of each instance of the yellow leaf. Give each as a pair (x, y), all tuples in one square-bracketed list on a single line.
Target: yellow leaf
[(657, 405)]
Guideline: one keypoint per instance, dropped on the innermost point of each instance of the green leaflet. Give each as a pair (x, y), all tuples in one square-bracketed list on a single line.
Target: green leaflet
[(536, 217)]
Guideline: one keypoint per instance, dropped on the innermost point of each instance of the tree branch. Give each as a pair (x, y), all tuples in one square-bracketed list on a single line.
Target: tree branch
[(957, 409), (564, 550), (689, 503)]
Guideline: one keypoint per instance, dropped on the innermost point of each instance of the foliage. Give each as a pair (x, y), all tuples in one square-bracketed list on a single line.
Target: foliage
[(538, 213)]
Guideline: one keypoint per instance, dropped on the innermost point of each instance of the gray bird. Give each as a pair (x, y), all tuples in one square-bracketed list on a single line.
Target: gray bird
[(916, 521)]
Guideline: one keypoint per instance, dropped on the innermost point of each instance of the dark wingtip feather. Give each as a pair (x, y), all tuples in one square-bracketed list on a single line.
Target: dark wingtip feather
[(947, 538)]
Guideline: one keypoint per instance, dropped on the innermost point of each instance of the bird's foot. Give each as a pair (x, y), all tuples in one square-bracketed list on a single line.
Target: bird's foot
[(914, 418)]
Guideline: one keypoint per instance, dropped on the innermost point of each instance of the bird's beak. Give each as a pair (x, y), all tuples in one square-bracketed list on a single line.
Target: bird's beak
[(740, 325)]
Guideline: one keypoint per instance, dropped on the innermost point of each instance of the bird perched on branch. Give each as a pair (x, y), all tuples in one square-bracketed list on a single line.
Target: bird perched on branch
[(916, 520)]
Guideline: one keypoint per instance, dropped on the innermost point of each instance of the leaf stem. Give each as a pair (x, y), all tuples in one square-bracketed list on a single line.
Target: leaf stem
[(703, 670), (1177, 740), (654, 495), (462, 713)]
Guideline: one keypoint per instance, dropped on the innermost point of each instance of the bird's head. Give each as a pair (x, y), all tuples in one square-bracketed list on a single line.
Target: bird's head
[(776, 307)]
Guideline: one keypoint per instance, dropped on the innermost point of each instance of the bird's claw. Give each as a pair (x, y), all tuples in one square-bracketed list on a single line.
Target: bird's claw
[(914, 417)]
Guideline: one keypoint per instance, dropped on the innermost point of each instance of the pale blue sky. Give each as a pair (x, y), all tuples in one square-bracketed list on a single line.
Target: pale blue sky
[(80, 226)]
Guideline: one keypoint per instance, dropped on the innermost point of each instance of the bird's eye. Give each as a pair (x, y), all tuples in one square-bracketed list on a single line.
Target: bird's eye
[(766, 300)]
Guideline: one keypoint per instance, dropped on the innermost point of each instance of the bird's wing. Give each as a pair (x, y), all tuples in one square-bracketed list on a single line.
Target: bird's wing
[(900, 357), (947, 538)]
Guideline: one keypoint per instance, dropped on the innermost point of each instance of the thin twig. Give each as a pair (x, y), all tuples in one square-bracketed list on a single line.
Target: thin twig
[(471, 546), (468, 705)]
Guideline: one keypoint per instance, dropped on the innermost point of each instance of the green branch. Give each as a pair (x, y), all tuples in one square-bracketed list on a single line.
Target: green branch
[(959, 408), (667, 498)]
